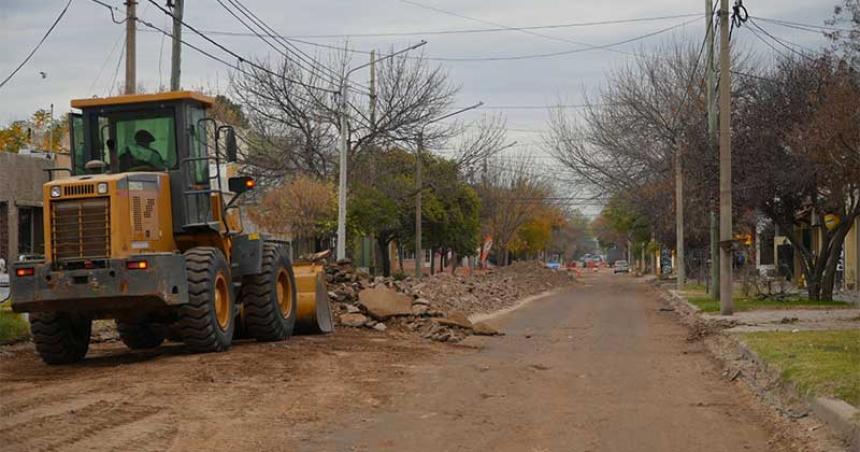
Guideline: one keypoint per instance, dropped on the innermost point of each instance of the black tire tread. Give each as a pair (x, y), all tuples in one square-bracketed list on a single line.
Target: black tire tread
[(262, 315), (195, 322), (60, 338), (141, 335)]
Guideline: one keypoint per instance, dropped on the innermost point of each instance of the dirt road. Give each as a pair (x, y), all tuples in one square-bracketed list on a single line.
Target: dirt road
[(593, 368)]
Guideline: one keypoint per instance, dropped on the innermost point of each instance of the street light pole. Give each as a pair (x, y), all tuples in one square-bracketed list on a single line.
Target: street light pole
[(344, 149), (419, 186)]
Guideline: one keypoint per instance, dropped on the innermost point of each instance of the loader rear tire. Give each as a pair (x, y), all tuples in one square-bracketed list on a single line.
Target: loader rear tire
[(141, 335), (60, 338), (206, 323), (269, 299)]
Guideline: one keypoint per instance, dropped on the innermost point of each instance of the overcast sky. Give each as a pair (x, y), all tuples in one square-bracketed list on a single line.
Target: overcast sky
[(82, 56)]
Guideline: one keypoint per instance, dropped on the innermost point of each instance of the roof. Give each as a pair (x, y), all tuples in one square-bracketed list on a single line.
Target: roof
[(140, 98)]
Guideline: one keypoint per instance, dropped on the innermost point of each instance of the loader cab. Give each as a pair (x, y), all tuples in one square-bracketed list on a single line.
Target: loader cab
[(157, 133)]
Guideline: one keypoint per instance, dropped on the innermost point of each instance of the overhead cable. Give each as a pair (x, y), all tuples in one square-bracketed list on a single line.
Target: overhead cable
[(41, 41)]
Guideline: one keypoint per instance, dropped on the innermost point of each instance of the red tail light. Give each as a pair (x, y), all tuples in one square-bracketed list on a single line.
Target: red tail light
[(26, 271), (137, 265)]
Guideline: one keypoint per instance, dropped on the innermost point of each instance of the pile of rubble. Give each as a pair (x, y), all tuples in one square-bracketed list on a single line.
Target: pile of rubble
[(436, 307)]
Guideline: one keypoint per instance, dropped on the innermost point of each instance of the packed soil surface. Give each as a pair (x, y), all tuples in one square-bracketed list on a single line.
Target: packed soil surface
[(594, 367)]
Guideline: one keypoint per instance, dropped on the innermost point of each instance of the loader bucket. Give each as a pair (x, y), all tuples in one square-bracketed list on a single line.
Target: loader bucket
[(313, 313)]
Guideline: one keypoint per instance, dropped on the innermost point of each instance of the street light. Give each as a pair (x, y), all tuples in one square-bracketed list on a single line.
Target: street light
[(419, 253), (344, 144)]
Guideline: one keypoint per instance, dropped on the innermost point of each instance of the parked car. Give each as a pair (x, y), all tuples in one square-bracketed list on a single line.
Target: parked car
[(621, 267), (554, 265)]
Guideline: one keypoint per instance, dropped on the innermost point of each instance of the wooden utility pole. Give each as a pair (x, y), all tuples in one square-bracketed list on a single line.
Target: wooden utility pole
[(710, 91), (681, 270), (419, 253), (726, 302), (130, 46), (176, 55)]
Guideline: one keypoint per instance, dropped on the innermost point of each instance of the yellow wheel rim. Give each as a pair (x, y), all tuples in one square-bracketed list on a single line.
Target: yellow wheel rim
[(222, 302), (284, 293)]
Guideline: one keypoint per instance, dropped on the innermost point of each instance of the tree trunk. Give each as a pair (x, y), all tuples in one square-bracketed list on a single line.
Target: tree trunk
[(384, 257), (837, 242), (432, 262)]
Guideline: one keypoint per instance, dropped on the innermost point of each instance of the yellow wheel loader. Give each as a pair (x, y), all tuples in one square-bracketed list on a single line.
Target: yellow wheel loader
[(144, 230)]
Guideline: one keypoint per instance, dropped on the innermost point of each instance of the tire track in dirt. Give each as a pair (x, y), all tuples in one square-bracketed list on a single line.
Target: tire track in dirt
[(61, 431)]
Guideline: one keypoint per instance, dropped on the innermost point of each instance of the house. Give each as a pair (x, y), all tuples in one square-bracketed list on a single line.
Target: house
[(21, 178)]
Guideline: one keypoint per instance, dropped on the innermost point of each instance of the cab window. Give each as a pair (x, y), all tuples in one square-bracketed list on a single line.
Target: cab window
[(145, 144), (79, 155), (199, 133)]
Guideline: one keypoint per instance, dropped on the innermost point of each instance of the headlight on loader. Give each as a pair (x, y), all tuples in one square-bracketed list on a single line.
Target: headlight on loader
[(101, 188), (56, 191)]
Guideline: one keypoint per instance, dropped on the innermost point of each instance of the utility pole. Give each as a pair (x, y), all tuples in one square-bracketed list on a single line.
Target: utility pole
[(344, 143), (710, 91), (726, 302), (130, 45), (51, 130), (176, 55), (419, 150), (372, 90), (341, 192), (681, 269), (419, 252)]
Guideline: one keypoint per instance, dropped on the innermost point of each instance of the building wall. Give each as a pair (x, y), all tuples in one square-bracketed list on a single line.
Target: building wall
[(21, 180)]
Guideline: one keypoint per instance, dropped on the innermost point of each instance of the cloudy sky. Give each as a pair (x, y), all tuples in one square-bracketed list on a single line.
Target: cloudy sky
[(82, 57)]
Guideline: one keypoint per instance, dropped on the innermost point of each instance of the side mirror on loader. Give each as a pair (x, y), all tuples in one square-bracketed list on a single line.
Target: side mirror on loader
[(231, 150)]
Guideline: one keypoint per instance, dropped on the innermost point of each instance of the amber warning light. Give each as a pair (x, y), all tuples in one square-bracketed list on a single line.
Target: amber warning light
[(137, 265)]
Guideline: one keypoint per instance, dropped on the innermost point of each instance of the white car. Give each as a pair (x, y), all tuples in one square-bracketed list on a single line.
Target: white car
[(621, 267)]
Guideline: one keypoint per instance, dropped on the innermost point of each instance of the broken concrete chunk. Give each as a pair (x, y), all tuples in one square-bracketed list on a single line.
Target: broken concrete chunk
[(383, 303), (455, 318), (483, 329), (353, 319)]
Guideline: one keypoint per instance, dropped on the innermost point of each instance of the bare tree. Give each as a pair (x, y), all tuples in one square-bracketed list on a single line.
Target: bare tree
[(294, 114), (511, 195)]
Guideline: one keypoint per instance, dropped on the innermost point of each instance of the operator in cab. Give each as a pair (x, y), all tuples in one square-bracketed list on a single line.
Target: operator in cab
[(141, 156)]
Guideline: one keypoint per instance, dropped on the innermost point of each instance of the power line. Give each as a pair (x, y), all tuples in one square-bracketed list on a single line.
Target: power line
[(801, 26), (465, 31), (267, 30), (240, 58), (782, 42), (586, 48), (525, 31), (536, 107), (41, 41)]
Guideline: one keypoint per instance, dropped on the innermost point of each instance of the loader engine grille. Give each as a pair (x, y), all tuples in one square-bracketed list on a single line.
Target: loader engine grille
[(81, 189), (80, 229)]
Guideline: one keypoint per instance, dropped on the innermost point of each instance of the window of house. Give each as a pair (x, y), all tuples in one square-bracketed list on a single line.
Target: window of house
[(31, 237)]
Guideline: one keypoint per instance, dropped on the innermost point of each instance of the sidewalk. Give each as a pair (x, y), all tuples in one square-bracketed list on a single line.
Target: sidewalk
[(812, 354)]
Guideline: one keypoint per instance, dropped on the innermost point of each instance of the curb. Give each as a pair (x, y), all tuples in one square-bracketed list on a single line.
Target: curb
[(842, 417), (838, 414), (475, 318)]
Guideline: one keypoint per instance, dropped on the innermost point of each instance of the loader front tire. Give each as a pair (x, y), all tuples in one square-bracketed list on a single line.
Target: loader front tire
[(141, 335), (206, 323), (60, 338), (269, 299)]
